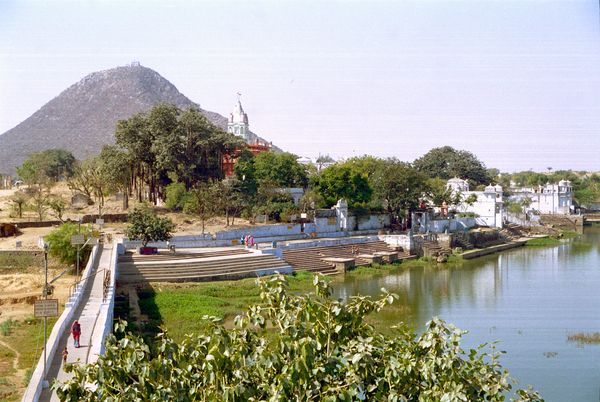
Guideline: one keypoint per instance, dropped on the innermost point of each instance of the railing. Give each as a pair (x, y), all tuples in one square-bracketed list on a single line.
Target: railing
[(106, 284), (32, 393)]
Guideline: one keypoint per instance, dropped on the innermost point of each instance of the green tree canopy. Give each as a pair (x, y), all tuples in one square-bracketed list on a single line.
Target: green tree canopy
[(245, 172), (398, 186), (145, 225), (168, 142), (60, 243), (295, 348), (52, 164), (281, 169), (116, 171), (336, 182), (447, 162)]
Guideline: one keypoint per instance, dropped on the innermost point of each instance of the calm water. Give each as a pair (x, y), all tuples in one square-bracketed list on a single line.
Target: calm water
[(528, 299)]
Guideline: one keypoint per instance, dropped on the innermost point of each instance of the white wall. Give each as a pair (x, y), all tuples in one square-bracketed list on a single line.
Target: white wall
[(34, 389)]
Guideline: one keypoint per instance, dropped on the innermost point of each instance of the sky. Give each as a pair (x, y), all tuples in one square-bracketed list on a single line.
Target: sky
[(515, 82)]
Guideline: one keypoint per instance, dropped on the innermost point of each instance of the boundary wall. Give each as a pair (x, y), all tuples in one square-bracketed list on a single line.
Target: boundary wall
[(34, 389), (206, 241)]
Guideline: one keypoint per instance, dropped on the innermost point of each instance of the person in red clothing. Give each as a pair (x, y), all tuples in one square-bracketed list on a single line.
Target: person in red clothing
[(76, 331)]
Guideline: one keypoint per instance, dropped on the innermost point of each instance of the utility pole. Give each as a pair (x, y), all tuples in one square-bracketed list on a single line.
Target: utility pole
[(78, 232), (45, 381)]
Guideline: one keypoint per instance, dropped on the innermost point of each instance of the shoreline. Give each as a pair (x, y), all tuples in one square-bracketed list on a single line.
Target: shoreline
[(468, 255)]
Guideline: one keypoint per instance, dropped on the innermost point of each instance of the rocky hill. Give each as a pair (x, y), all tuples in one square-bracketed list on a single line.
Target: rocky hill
[(83, 117)]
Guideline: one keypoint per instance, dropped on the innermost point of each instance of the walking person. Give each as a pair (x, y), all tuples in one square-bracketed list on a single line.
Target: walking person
[(76, 331), (65, 354)]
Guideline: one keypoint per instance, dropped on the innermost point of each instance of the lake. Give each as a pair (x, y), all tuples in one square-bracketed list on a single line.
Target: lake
[(528, 299)]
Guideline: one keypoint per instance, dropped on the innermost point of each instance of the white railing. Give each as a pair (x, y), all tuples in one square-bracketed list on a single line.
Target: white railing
[(104, 323), (34, 389)]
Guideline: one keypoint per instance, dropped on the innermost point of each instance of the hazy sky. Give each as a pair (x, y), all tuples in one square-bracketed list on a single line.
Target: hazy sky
[(515, 82)]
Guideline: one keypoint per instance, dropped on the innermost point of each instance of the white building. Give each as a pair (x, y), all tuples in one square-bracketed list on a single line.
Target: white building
[(487, 205), (238, 125), (548, 199)]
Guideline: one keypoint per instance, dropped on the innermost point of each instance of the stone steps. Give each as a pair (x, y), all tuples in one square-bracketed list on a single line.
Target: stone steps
[(167, 256), (214, 269), (311, 258), (433, 249)]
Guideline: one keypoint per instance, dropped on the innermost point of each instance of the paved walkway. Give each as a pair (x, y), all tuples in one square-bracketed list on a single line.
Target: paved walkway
[(87, 314)]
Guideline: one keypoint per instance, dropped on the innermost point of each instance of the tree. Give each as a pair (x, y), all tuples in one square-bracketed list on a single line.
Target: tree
[(177, 196), (203, 202), (168, 142), (280, 168), (144, 225), (439, 192), (245, 172), (338, 182), (311, 200), (19, 200), (94, 173), (58, 207), (447, 162), (54, 164), (366, 165), (33, 172), (324, 161), (233, 200), (40, 198), (399, 187), (272, 201), (60, 243), (295, 348), (116, 171)]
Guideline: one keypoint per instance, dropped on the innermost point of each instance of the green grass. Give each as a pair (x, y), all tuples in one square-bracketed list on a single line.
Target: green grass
[(542, 242), (569, 234), (26, 336), (17, 263), (375, 269), (179, 308)]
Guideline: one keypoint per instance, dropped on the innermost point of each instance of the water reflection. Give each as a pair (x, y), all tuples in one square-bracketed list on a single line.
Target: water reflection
[(529, 299)]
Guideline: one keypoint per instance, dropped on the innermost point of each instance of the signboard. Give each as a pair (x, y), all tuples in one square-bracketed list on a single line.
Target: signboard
[(46, 308), (303, 215), (99, 221), (41, 243), (77, 240)]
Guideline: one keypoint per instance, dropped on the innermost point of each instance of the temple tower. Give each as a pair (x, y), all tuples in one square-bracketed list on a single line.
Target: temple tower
[(238, 122)]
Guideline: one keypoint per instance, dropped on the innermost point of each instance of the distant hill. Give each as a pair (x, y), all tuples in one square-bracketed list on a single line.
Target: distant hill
[(83, 117)]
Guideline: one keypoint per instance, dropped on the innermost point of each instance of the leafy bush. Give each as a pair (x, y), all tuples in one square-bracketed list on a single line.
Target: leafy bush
[(177, 196), (144, 225), (289, 347), (60, 244), (6, 327)]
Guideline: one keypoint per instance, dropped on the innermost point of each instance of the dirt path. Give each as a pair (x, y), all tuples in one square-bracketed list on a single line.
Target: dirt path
[(19, 376)]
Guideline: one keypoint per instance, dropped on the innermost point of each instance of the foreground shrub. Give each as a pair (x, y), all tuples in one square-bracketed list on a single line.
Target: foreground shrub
[(300, 348)]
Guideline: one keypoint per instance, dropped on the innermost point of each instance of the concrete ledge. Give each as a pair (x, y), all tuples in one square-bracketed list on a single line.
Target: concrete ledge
[(388, 257), (371, 258), (467, 255), (342, 265)]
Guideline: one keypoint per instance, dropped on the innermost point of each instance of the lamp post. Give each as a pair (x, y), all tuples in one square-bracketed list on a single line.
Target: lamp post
[(45, 246)]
